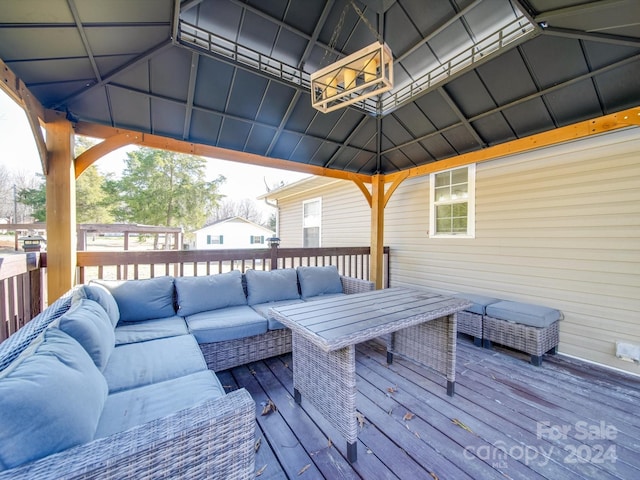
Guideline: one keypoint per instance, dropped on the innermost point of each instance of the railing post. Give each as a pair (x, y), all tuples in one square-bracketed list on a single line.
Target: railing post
[(273, 242)]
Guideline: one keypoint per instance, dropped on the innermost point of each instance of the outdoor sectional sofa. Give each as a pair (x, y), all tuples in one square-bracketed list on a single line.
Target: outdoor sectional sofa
[(116, 378)]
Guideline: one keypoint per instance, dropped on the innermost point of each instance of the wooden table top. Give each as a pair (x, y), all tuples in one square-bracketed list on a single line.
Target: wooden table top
[(338, 321)]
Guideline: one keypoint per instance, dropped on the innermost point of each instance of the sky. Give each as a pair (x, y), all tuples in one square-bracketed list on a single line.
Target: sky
[(19, 154)]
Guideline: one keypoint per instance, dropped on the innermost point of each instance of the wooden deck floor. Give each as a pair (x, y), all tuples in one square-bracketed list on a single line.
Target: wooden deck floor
[(508, 419)]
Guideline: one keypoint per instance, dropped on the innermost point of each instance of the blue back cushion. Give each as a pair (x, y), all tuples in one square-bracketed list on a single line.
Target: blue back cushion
[(211, 292), (142, 299), (316, 281), (98, 293), (271, 286), (51, 399), (88, 323)]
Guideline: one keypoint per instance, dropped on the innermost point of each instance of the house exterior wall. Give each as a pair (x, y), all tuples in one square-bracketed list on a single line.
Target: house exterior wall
[(345, 217), (558, 227), (236, 234)]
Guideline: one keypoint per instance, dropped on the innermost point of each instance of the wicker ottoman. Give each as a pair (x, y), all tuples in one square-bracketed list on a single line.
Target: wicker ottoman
[(532, 329), (470, 320)]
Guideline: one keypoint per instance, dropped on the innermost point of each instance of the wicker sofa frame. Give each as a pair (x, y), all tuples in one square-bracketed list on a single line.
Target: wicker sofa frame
[(232, 353), (532, 340), (471, 324), (212, 440)]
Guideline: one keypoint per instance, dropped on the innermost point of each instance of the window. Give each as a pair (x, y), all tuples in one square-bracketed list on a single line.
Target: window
[(256, 239), (452, 196), (311, 218), (215, 239)]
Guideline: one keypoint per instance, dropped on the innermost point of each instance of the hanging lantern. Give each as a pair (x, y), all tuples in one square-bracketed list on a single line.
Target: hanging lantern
[(361, 75)]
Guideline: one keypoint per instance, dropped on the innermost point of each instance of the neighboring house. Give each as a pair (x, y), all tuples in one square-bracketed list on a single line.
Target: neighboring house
[(235, 232), (559, 226)]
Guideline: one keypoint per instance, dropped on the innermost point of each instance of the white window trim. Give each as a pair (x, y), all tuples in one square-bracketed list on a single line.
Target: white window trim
[(313, 200), (471, 205)]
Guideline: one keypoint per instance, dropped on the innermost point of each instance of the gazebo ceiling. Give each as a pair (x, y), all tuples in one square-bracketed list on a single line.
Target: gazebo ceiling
[(234, 73)]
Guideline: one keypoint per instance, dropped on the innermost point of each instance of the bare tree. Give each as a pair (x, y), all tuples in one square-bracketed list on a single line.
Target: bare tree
[(10, 181), (244, 208)]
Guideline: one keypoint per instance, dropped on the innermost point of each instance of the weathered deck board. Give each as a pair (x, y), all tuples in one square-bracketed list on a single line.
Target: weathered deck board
[(498, 425)]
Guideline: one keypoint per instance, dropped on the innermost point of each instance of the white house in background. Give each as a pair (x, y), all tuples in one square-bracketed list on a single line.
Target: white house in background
[(235, 232)]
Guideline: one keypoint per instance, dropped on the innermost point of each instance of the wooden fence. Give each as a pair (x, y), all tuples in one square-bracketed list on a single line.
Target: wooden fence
[(22, 290)]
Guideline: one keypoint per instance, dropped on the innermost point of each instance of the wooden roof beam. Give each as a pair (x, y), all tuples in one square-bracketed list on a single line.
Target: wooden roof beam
[(181, 146), (14, 87), (576, 131)]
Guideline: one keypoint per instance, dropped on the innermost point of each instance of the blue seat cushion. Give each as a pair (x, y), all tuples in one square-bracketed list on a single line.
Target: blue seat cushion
[(210, 292), (263, 309), (99, 293), (524, 313), (271, 286), (142, 299), (137, 364), (480, 302), (226, 324), (132, 332), (89, 324), (316, 281), (51, 398), (128, 408)]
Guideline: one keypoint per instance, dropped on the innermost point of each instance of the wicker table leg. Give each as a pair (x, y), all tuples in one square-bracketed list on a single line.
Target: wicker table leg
[(328, 381), (432, 343)]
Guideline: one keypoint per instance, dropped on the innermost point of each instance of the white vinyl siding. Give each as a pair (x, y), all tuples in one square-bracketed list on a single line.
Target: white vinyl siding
[(345, 219), (558, 227)]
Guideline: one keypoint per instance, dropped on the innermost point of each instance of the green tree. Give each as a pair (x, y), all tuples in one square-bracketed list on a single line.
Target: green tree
[(92, 200), (36, 199), (158, 187)]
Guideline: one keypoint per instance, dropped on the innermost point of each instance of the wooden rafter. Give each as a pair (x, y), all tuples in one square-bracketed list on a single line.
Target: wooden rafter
[(576, 131), (108, 145), (14, 87), (181, 146)]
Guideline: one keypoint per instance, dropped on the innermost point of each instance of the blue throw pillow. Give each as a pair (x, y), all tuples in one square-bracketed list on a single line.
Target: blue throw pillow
[(142, 299), (88, 323), (316, 281), (211, 292), (271, 286), (51, 398), (99, 293)]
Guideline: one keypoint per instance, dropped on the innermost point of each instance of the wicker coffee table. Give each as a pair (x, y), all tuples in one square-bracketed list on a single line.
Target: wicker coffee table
[(418, 325)]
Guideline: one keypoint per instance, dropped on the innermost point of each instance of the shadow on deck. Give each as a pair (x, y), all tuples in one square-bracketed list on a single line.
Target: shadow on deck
[(508, 419)]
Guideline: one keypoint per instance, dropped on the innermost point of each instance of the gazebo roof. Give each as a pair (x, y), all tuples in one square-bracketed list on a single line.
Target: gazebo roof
[(469, 74)]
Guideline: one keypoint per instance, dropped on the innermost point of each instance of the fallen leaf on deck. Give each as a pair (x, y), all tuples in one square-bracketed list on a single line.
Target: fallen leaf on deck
[(408, 416), (360, 418), (257, 445), (260, 472), (330, 444), (435, 477), (269, 407), (304, 469), (392, 389), (462, 425)]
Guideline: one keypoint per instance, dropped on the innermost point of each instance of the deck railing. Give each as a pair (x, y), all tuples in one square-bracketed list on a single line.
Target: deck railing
[(350, 261), (23, 276), (22, 290)]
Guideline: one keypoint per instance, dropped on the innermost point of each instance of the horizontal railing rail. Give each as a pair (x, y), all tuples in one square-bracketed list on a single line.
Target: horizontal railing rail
[(22, 290), (23, 276), (350, 261)]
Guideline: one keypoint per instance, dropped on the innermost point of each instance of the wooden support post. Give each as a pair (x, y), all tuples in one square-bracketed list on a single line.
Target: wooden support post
[(61, 208), (377, 231)]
